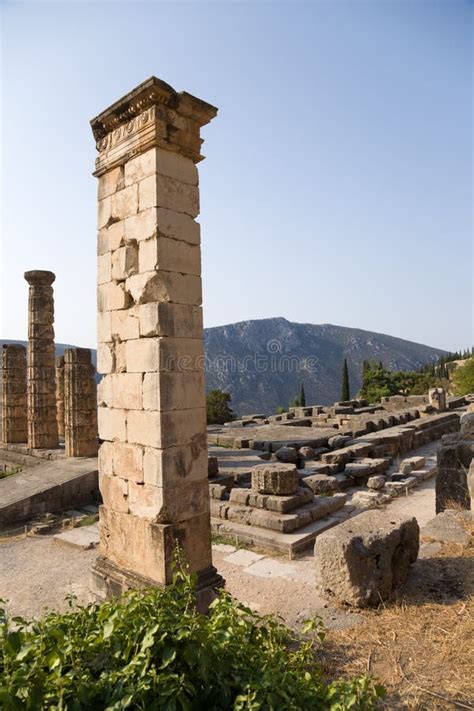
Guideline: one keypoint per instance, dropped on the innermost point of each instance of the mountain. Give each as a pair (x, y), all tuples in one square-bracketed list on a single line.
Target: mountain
[(262, 363)]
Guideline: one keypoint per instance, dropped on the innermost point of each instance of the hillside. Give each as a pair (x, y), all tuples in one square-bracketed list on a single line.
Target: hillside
[(262, 363)]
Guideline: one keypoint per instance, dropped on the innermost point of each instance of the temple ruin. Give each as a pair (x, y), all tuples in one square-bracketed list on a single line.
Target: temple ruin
[(80, 399)]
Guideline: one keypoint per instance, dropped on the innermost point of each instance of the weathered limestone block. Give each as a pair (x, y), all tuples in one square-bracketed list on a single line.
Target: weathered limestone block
[(437, 398), (364, 560), (411, 463), (80, 404), (454, 457), (14, 394), (280, 479), (153, 462), (321, 483), (60, 395), (42, 417), (288, 455), (376, 482)]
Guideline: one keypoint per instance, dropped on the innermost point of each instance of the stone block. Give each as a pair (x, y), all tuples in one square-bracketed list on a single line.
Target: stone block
[(142, 355), (114, 492), (128, 461), (364, 560), (110, 182), (321, 483), (104, 326), (110, 238), (104, 268), (280, 479), (166, 391), (168, 319), (170, 255), (125, 261), (376, 482), (165, 286), (162, 191), (140, 167), (112, 424), (288, 455), (178, 463), (178, 226), (141, 226), (124, 203), (124, 325), (112, 296)]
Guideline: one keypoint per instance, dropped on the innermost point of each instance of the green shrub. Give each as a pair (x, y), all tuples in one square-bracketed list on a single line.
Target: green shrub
[(152, 650)]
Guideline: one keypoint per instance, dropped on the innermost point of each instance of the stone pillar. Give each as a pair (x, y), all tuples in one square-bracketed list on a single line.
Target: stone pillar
[(437, 398), (60, 395), (455, 455), (14, 422), (80, 404), (42, 423), (152, 415)]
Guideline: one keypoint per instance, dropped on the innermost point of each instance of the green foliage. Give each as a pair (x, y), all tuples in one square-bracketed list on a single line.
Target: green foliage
[(9, 472), (153, 650), (302, 397), (345, 388), (217, 407), (280, 410), (464, 378), (378, 382)]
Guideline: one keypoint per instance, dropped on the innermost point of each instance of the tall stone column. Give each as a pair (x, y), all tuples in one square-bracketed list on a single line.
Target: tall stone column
[(60, 395), (152, 416), (14, 422), (42, 423), (80, 400)]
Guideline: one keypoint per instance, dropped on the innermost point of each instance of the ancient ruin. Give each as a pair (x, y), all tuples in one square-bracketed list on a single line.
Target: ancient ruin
[(14, 422), (348, 457), (80, 398), (455, 456), (42, 422), (60, 395), (152, 418)]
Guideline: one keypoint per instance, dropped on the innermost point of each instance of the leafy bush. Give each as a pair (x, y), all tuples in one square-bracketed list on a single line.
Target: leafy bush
[(153, 650), (464, 378)]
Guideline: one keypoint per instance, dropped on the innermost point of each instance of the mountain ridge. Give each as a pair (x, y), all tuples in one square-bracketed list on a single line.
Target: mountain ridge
[(263, 362)]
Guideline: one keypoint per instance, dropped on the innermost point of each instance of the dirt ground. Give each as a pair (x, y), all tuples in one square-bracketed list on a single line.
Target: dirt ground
[(420, 647)]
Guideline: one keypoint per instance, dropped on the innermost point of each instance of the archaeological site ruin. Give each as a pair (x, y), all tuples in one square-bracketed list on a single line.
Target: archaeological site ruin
[(133, 437)]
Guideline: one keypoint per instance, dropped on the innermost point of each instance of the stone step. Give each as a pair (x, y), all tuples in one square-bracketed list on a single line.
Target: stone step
[(18, 458), (320, 507), (83, 537)]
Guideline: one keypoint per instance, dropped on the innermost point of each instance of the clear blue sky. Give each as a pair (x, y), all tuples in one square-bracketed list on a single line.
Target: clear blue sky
[(337, 186)]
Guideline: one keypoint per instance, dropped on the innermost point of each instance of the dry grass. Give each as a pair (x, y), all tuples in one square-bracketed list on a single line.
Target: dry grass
[(422, 646)]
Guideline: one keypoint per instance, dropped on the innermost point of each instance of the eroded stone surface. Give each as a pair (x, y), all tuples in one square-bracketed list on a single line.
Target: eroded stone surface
[(365, 559), (280, 479)]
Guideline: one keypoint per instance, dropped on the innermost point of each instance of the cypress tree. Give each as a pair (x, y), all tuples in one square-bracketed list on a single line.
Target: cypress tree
[(345, 389), (302, 396)]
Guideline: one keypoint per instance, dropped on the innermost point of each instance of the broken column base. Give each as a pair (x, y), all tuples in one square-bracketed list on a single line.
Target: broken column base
[(110, 580)]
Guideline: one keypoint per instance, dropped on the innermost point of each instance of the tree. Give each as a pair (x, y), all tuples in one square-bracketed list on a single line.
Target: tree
[(345, 389), (217, 407), (280, 410), (302, 396), (463, 378)]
